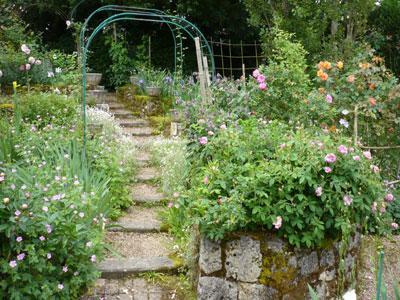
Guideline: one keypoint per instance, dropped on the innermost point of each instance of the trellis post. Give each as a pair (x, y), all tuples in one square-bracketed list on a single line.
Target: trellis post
[(200, 67), (206, 72), (222, 58)]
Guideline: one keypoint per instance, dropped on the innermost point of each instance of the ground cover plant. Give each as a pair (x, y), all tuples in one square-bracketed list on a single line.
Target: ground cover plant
[(55, 201)]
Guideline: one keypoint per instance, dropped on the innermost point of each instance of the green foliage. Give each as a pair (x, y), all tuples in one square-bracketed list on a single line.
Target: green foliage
[(287, 81), (122, 65), (248, 176), (43, 109)]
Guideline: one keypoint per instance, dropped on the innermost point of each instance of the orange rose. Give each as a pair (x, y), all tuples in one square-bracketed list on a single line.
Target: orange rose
[(324, 65), (372, 101), (324, 76), (372, 86), (351, 78), (320, 72)]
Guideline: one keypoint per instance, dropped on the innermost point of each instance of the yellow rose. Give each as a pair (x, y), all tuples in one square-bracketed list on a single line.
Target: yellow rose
[(339, 65)]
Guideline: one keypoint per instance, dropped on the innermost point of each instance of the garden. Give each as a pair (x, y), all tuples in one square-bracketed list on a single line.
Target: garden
[(132, 166)]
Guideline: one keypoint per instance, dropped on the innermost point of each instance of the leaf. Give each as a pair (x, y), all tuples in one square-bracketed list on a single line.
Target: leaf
[(313, 294)]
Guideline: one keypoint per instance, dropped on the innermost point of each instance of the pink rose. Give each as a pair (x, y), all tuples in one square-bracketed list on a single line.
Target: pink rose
[(256, 73), (262, 86), (278, 222), (395, 226), (367, 155), (329, 98), (356, 157), (261, 78), (327, 169), (25, 49), (318, 191)]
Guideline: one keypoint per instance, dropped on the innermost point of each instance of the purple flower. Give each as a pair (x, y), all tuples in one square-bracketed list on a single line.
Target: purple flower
[(203, 140), (342, 149), (42, 238), (48, 228), (347, 200), (21, 256), (330, 158), (93, 258), (327, 169), (19, 239), (329, 98), (344, 123), (13, 264), (389, 197), (17, 213), (318, 191)]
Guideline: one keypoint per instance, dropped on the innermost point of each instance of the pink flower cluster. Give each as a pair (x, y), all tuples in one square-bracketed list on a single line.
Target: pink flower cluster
[(260, 79), (31, 59)]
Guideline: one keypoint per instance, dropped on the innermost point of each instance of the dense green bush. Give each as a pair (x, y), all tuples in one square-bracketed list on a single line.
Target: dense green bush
[(306, 186)]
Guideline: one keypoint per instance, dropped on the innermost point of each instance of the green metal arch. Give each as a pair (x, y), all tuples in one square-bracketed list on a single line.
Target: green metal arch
[(121, 8), (133, 16)]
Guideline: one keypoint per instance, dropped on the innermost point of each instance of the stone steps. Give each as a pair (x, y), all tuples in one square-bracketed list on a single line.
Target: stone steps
[(145, 193), (117, 268), (140, 219), (121, 113), (147, 174), (143, 159), (138, 131), (133, 123), (132, 288)]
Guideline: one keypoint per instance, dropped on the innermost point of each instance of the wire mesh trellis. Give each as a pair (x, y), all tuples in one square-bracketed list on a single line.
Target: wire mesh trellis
[(236, 59)]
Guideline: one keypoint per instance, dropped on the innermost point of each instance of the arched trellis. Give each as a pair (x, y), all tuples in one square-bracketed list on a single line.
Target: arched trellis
[(121, 8), (132, 15)]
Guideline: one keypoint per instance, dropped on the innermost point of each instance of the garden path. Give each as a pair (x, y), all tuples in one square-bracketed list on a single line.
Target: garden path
[(141, 247)]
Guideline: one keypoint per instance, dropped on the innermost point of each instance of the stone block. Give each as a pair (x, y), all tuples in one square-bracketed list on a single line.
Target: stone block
[(256, 292), (327, 258), (243, 259), (214, 288), (210, 256), (309, 263)]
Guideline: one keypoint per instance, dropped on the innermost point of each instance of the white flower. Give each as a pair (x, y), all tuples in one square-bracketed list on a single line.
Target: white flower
[(25, 49), (58, 70), (345, 112), (57, 91), (50, 74), (38, 62), (31, 60), (1, 73), (344, 123), (69, 23)]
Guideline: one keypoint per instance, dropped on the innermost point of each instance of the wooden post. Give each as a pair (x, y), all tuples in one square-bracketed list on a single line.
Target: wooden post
[(149, 50), (230, 57), (222, 58), (206, 72), (355, 134), (241, 52), (200, 67), (255, 47), (244, 72)]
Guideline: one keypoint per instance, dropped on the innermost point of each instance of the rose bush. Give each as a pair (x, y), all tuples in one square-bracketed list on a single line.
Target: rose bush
[(305, 185)]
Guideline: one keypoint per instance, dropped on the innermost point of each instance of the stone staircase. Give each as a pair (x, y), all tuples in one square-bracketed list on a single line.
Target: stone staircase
[(139, 241)]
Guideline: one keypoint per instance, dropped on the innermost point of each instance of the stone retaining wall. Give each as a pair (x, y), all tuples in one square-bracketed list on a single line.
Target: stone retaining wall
[(261, 266)]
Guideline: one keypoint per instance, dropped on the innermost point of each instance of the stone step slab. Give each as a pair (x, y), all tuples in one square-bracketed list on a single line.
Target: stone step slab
[(121, 113), (147, 174), (140, 219), (130, 289), (145, 193), (117, 268), (136, 244), (138, 131), (133, 123), (143, 159)]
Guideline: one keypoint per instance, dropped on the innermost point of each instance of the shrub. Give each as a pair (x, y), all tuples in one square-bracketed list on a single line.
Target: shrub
[(42, 109), (258, 175), (51, 215)]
